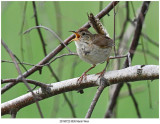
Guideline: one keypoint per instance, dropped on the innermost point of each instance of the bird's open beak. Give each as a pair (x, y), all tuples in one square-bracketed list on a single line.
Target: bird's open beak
[(77, 36)]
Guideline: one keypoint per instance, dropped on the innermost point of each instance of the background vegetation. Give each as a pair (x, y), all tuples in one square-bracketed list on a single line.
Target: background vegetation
[(63, 17)]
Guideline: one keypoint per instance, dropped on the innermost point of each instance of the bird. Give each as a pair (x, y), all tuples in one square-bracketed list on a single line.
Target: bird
[(93, 48)]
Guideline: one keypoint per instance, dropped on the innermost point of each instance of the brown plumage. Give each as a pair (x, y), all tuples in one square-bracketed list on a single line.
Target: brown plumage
[(102, 41), (96, 24)]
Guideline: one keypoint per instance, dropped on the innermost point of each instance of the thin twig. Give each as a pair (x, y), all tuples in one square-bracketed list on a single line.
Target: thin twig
[(20, 62), (62, 56), (148, 83), (94, 101), (100, 8), (125, 22), (58, 18), (42, 41), (155, 56), (54, 59), (137, 90), (23, 63), (133, 9), (70, 105), (131, 92), (134, 100), (21, 30), (113, 101), (59, 32), (150, 40), (39, 31), (148, 52), (114, 33), (50, 30), (37, 83)]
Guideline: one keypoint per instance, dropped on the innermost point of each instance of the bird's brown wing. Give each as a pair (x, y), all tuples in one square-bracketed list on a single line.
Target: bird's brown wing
[(102, 41)]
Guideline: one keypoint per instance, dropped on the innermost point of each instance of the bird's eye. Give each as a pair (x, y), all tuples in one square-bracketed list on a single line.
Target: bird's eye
[(83, 33)]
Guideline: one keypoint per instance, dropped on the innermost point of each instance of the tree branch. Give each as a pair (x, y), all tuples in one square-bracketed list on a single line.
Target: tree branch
[(69, 54), (134, 99), (130, 74), (94, 101), (36, 83), (39, 31), (50, 30), (132, 49), (59, 48), (42, 41), (14, 111)]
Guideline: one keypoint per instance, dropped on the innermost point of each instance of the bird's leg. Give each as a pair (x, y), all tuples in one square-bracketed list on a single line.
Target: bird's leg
[(85, 74), (116, 57), (102, 73)]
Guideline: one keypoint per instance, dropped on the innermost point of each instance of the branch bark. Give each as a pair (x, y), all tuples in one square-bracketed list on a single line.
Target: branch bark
[(130, 74)]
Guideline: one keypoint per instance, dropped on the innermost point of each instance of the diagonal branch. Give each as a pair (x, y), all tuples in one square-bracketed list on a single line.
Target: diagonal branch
[(44, 48), (134, 100), (94, 101), (134, 73), (132, 49), (39, 31), (14, 111), (21, 30), (42, 40), (101, 14), (150, 40)]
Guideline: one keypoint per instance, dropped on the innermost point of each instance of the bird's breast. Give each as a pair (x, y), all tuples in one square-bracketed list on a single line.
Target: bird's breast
[(91, 53)]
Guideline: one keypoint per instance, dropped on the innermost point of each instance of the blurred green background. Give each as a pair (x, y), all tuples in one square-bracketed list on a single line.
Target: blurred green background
[(71, 16)]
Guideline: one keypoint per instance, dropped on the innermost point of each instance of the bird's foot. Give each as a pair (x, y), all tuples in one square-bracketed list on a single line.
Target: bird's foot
[(83, 76), (80, 79), (101, 74)]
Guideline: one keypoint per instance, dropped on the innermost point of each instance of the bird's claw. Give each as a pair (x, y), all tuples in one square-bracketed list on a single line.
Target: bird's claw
[(101, 74), (83, 76)]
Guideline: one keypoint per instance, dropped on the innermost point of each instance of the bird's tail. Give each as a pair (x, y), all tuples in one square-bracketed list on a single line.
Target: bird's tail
[(97, 25)]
